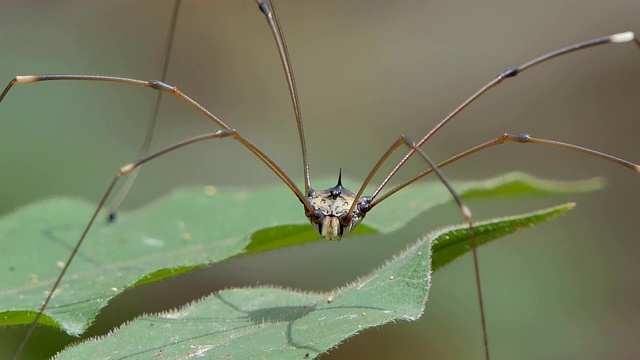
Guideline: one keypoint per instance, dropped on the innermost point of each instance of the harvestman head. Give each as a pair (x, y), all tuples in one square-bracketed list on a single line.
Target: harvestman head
[(336, 211)]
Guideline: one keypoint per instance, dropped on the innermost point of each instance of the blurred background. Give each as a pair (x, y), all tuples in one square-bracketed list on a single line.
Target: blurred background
[(367, 71)]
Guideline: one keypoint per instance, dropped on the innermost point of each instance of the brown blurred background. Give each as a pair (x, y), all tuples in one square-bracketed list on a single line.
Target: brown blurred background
[(367, 72)]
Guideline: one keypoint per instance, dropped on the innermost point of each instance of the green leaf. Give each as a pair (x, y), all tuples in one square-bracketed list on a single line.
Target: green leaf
[(272, 323), (185, 230)]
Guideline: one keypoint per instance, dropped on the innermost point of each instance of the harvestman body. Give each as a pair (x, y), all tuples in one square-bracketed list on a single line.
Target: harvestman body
[(336, 211)]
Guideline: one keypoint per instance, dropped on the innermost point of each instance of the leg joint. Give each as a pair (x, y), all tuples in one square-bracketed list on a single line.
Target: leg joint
[(162, 86), (520, 137), (510, 72), (225, 132)]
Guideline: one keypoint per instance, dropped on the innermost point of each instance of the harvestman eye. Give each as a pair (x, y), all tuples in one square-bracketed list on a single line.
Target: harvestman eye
[(336, 211)]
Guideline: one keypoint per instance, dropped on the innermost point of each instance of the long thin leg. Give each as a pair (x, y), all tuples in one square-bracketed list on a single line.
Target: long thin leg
[(518, 138), (153, 119), (415, 147), (404, 140), (126, 169), (509, 73), (503, 139), (474, 243), (268, 9), (161, 86)]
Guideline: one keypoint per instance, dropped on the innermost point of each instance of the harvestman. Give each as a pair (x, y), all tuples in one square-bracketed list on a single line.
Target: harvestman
[(336, 211)]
